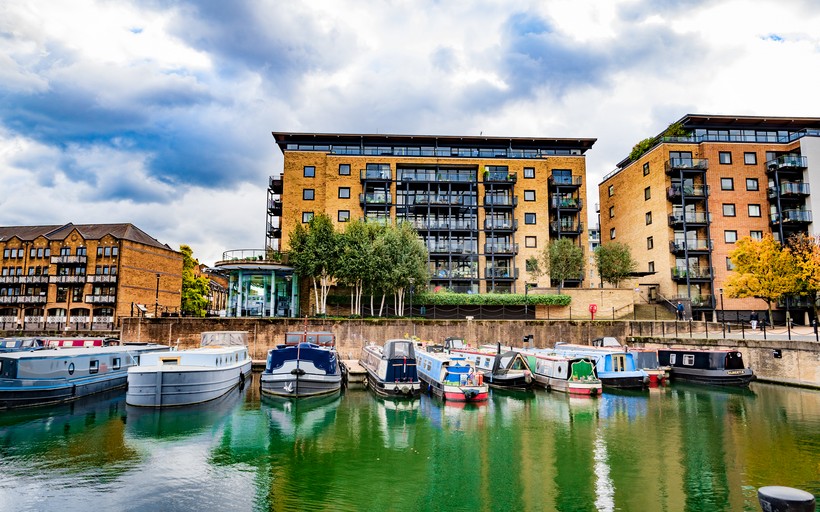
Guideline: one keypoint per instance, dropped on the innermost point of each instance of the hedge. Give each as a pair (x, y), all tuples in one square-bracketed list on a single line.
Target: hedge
[(488, 299)]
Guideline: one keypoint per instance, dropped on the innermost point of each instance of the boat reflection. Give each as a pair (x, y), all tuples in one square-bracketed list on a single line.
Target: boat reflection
[(178, 422), (453, 416), (565, 408), (397, 422), (300, 418), (618, 404)]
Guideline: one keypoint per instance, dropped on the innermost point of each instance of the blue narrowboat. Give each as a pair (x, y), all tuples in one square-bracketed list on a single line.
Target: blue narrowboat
[(305, 365), (391, 369), (615, 367), (451, 377)]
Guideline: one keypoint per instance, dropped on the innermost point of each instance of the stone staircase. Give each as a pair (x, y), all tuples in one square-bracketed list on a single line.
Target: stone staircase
[(652, 311)]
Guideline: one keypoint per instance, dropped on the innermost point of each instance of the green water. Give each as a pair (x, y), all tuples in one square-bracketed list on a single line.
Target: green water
[(677, 448)]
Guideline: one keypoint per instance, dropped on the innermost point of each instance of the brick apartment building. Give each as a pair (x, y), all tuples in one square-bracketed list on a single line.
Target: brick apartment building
[(482, 205), (84, 276), (683, 204)]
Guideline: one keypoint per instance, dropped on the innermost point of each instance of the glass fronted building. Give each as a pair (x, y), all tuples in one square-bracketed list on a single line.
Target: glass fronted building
[(260, 285)]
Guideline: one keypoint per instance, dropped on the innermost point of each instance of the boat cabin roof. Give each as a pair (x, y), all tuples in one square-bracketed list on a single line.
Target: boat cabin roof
[(324, 338), (399, 348)]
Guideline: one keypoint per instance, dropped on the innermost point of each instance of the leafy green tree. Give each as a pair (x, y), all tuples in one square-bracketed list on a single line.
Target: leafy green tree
[(762, 269), (615, 262), (195, 290), (314, 254), (563, 260), (401, 261), (356, 260)]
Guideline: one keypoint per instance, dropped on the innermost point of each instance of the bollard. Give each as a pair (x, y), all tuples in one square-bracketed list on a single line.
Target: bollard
[(776, 498)]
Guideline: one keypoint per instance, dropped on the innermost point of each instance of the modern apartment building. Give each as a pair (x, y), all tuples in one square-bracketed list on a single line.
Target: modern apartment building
[(483, 205), (84, 276), (683, 204)]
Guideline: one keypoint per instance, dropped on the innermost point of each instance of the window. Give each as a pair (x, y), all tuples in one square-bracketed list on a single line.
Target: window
[(756, 235), (651, 266), (309, 171), (729, 265), (99, 252), (5, 253), (672, 358), (727, 184), (611, 190), (754, 210), (647, 194), (65, 251), (650, 242), (750, 158), (94, 366), (530, 241), (725, 157), (82, 251), (116, 364), (730, 236), (306, 216), (728, 210), (752, 184), (344, 169), (648, 218), (344, 192), (107, 252), (114, 251), (529, 218), (689, 359), (32, 253), (612, 233), (529, 172), (307, 194), (611, 212), (344, 215), (529, 195), (646, 168)]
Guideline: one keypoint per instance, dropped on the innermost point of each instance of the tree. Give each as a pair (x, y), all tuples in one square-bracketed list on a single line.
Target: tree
[(400, 262), (762, 269), (314, 254), (195, 289), (356, 262), (806, 251), (615, 263), (563, 260)]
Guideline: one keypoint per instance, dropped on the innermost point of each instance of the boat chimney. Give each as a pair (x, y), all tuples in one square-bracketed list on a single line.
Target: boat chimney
[(776, 497)]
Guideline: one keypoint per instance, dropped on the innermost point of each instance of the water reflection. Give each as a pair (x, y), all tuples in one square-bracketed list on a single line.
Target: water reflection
[(397, 422)]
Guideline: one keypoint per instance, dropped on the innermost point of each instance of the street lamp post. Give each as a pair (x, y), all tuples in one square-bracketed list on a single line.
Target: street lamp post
[(722, 313), (288, 278), (526, 302), (156, 298)]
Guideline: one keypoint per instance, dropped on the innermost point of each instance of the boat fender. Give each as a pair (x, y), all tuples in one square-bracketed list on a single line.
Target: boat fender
[(548, 388), (74, 390), (297, 371), (241, 380)]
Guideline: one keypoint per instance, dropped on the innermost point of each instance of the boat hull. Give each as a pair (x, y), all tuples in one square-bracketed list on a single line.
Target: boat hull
[(457, 393), (51, 392), (392, 389), (511, 382), (571, 387), (738, 378), (621, 381), (170, 386), (307, 380)]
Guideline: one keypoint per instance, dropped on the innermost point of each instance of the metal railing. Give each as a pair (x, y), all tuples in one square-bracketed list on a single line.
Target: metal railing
[(791, 216), (695, 164), (699, 244), (788, 162)]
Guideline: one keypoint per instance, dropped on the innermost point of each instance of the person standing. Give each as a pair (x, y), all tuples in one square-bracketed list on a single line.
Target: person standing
[(753, 318), (680, 309)]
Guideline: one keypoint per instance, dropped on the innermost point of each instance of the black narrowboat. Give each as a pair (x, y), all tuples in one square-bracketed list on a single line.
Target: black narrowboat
[(721, 367)]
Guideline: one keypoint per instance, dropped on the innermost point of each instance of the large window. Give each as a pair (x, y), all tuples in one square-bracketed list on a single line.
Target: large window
[(344, 215), (344, 169), (756, 235), (530, 241), (529, 172)]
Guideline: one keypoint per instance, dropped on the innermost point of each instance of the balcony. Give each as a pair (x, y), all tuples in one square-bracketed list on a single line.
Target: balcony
[(675, 165), (41, 279), (102, 278), (787, 163), (10, 279), (103, 320), (455, 273), (8, 299), (501, 273), (500, 201), (69, 260), (32, 299), (439, 200), (437, 176), (677, 192), (274, 232), (373, 199), (67, 279), (692, 273), (100, 299), (702, 302), (276, 185), (501, 249), (449, 224), (500, 178), (375, 175), (565, 181), (566, 228), (500, 225), (690, 219), (789, 190), (566, 203), (791, 217), (275, 207), (691, 246)]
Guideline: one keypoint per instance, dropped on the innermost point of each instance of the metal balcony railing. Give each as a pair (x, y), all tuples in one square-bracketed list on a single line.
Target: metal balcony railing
[(376, 174), (501, 248), (689, 191), (370, 198), (789, 189), (500, 201), (686, 164), (100, 299), (795, 216), (692, 272), (787, 162), (501, 273), (67, 279), (689, 218), (700, 244), (574, 181), (500, 177), (501, 225), (572, 203), (100, 278), (69, 260)]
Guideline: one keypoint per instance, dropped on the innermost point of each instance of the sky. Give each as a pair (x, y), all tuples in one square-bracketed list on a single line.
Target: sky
[(160, 112)]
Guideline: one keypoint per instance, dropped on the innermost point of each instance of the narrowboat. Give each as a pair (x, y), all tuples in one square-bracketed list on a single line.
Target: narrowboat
[(451, 377), (502, 370), (615, 366), (305, 365), (53, 376), (187, 377), (20, 344), (722, 367), (567, 374), (646, 359), (391, 369)]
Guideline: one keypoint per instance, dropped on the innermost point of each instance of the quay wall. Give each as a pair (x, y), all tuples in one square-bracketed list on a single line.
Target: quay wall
[(799, 363)]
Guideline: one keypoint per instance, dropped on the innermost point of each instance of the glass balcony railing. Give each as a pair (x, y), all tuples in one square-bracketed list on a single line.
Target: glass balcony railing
[(375, 198), (376, 174), (689, 218), (700, 244), (788, 162), (795, 216), (689, 191), (692, 272), (790, 189), (686, 164)]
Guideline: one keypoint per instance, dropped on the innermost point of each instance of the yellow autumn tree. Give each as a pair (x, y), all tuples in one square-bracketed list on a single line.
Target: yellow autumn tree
[(762, 269), (806, 252)]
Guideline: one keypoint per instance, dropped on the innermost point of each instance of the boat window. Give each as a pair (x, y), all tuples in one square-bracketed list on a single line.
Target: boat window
[(1, 366), (71, 369), (94, 366), (689, 359), (169, 361), (618, 363), (672, 358), (116, 364), (734, 361)]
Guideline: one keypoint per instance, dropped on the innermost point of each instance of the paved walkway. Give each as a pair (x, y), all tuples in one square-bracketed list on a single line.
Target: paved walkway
[(777, 332)]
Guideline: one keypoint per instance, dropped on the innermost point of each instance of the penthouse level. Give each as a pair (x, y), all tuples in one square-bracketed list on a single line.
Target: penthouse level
[(482, 205)]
